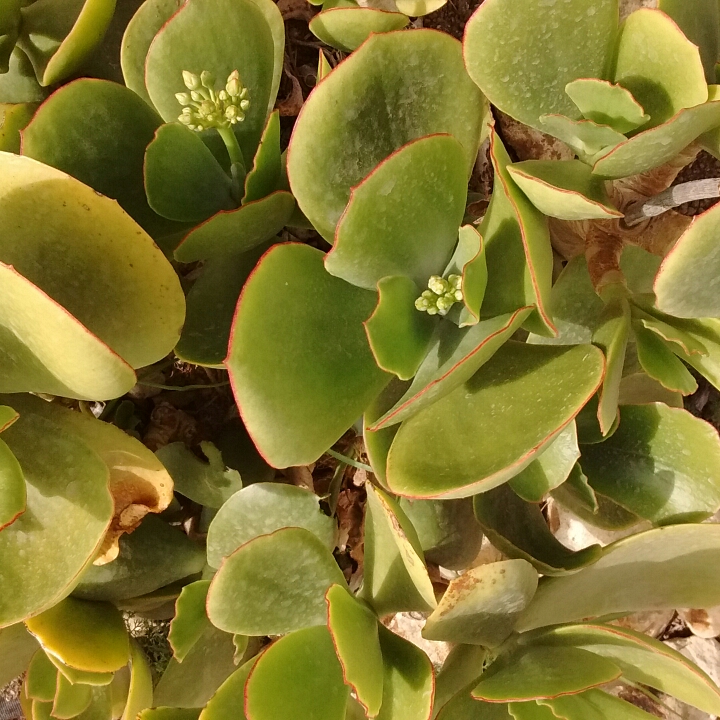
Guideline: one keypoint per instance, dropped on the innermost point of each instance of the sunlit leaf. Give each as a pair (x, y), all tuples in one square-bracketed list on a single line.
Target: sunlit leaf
[(70, 700), (607, 104), (595, 705), (229, 699), (346, 28), (17, 646), (41, 679), (190, 620), (13, 119), (262, 509), (657, 359), (140, 693), (586, 137)]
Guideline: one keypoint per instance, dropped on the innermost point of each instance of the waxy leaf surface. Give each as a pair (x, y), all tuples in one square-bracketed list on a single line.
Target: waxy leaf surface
[(13, 494), (261, 509), (17, 646), (660, 363), (41, 678), (298, 676), (354, 631), (493, 426), (481, 606), (273, 584), (586, 137), (265, 175), (507, 52), (229, 700), (69, 509), (70, 700), (300, 364), (403, 218), (607, 104), (595, 705), (396, 88), (191, 620), (346, 28), (626, 578)]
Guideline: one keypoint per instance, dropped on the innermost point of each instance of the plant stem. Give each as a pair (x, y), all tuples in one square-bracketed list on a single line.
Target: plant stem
[(349, 461), (671, 198), (183, 388), (237, 163)]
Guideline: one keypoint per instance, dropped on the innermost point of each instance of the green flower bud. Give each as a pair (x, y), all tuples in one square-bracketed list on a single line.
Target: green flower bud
[(191, 80), (438, 285), (207, 79), (196, 96), (222, 95), (244, 104), (234, 86), (185, 119), (183, 98)]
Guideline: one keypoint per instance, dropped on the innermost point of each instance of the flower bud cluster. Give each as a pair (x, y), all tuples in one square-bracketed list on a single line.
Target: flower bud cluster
[(441, 295), (204, 107)]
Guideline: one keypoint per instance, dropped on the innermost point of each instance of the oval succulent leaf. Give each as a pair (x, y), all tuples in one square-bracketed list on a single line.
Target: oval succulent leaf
[(595, 705), (273, 584), (551, 469), (265, 174), (234, 232), (261, 509), (354, 631), (454, 357), (19, 84), (398, 334), (642, 659), (140, 692), (190, 621), (297, 676), (138, 35), (396, 578), (625, 579), (659, 65), (481, 606), (58, 39), (229, 699), (248, 36), (84, 635), (69, 509), (661, 464), (508, 415), (506, 53), (70, 700), (607, 104), (17, 647), (97, 131), (403, 218), (658, 360), (470, 263), (41, 678), (13, 493), (299, 361), (346, 129), (564, 189), (346, 28), (687, 284), (14, 119), (519, 530), (586, 137), (183, 180), (90, 248), (409, 680)]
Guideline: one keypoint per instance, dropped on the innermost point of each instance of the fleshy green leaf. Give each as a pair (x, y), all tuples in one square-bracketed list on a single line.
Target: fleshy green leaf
[(247, 35), (183, 180), (206, 667), (688, 283), (454, 357), (532, 710), (507, 52), (298, 676), (19, 84), (41, 678), (170, 713), (398, 333), (586, 137), (229, 699), (626, 578), (138, 36), (97, 131), (154, 555), (447, 530), (58, 36), (458, 674), (354, 631), (659, 65), (545, 672), (642, 659), (654, 147), (470, 262), (301, 386), (265, 175), (595, 705), (518, 250), (519, 530), (10, 19), (262, 509), (396, 88), (481, 606), (661, 464), (238, 231), (17, 646), (13, 494), (208, 483), (140, 692), (70, 700), (87, 636), (89, 248), (607, 104), (378, 442), (211, 305), (190, 621), (69, 508), (486, 431), (611, 336), (564, 189), (81, 677), (346, 28), (273, 584), (706, 331), (657, 359), (14, 119), (409, 680), (396, 578), (403, 218)]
